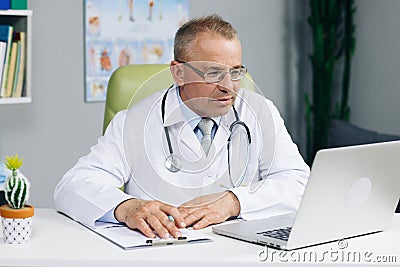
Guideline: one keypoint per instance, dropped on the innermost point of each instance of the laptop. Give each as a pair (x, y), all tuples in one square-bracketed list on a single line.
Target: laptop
[(351, 191)]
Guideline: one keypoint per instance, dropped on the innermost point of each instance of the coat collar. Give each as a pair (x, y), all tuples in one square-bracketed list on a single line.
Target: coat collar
[(173, 109)]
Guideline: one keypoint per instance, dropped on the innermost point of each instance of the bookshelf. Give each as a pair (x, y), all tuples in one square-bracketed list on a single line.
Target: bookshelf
[(21, 20)]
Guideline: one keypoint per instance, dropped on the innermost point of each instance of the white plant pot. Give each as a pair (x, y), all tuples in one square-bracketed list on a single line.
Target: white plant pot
[(16, 224), (16, 231)]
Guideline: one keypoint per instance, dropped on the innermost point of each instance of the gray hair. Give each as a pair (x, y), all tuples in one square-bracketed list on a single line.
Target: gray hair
[(188, 33)]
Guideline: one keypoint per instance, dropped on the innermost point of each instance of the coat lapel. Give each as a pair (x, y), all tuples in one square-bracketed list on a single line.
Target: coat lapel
[(222, 134)]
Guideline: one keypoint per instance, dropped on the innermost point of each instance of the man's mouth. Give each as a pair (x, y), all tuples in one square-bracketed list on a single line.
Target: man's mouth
[(227, 100)]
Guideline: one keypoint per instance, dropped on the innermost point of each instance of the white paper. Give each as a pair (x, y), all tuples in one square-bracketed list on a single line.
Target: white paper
[(131, 239)]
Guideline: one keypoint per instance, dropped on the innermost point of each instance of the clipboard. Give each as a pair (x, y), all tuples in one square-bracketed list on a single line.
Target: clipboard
[(127, 238)]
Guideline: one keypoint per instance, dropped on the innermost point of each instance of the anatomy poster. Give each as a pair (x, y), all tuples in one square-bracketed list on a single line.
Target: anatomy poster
[(122, 32)]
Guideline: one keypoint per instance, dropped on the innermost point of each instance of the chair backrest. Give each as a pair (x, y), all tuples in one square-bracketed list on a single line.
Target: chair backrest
[(342, 133), (132, 83)]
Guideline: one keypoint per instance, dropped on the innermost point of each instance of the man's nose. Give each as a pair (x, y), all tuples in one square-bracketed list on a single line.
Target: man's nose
[(226, 83)]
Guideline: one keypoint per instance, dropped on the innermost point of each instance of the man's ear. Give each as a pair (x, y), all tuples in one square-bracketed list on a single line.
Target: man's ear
[(177, 72)]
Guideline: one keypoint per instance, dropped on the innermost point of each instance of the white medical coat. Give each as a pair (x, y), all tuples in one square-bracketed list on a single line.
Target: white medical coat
[(133, 150)]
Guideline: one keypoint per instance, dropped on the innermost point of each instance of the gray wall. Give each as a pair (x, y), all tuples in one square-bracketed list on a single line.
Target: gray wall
[(268, 32), (375, 86), (375, 82), (58, 127)]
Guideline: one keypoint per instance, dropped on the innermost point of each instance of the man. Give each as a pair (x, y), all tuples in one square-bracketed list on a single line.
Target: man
[(190, 123)]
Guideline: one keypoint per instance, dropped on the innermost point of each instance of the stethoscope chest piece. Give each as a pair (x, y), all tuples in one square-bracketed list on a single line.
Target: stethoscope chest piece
[(173, 163)]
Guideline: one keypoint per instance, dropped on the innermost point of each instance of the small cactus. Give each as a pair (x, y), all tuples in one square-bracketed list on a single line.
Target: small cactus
[(16, 185)]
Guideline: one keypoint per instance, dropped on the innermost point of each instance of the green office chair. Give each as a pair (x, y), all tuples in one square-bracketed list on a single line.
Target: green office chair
[(125, 82), (132, 83)]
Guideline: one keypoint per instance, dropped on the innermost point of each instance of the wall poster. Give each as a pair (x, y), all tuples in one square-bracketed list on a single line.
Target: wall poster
[(121, 32)]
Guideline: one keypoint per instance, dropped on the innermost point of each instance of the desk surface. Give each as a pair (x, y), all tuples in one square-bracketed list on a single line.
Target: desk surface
[(59, 241)]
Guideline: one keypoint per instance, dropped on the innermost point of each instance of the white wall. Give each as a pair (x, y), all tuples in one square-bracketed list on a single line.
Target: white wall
[(59, 127), (375, 85)]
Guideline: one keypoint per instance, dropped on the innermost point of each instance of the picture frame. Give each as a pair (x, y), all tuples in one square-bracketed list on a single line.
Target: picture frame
[(123, 32)]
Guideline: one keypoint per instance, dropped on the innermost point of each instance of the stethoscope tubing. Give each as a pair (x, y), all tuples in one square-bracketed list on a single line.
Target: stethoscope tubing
[(171, 161)]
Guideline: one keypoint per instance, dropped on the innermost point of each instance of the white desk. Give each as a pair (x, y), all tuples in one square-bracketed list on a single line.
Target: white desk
[(59, 241)]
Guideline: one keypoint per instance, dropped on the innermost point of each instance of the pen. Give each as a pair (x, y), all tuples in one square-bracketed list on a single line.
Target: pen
[(179, 240)]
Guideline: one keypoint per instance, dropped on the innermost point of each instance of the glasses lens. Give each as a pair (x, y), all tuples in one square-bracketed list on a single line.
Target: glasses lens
[(214, 76), (217, 76), (235, 74)]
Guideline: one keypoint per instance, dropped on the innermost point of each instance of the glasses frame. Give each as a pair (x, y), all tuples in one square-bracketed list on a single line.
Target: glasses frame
[(204, 74)]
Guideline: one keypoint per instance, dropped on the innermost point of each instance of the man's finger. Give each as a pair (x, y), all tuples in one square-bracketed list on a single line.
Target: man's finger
[(207, 220), (143, 227), (195, 216), (173, 211), (168, 223), (184, 214), (155, 223)]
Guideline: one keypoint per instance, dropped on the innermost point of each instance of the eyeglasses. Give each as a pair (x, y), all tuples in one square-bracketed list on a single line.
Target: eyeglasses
[(215, 76)]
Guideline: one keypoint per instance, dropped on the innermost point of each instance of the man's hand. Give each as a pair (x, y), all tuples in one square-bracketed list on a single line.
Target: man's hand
[(210, 209), (149, 215)]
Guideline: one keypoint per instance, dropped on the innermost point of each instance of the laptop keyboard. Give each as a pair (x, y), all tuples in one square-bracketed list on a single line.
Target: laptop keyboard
[(281, 233)]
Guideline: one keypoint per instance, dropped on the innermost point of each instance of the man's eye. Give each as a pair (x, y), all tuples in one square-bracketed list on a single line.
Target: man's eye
[(213, 73)]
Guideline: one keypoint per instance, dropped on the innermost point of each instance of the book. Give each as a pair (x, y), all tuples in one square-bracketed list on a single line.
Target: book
[(3, 47), (5, 4), (6, 33), (16, 70), (18, 4), (11, 69), (20, 71)]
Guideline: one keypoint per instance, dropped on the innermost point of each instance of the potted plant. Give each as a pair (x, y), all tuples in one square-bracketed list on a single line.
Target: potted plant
[(333, 31), (16, 216)]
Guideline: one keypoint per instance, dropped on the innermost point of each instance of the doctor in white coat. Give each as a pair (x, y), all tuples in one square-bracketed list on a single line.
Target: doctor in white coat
[(264, 174)]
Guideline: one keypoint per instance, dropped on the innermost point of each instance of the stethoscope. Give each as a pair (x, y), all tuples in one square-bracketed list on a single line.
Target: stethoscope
[(173, 162)]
